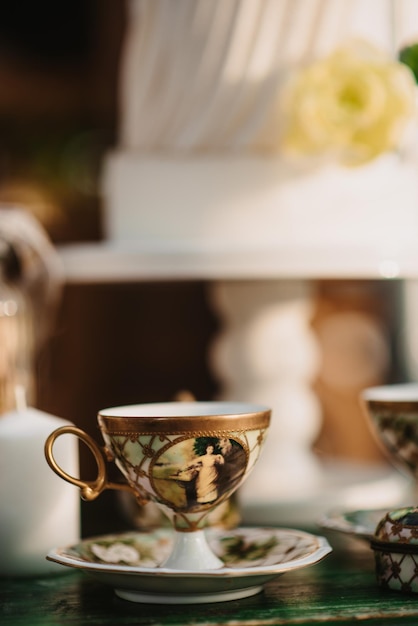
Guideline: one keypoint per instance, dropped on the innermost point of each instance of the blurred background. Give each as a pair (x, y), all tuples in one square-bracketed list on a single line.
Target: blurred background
[(111, 343), (125, 342)]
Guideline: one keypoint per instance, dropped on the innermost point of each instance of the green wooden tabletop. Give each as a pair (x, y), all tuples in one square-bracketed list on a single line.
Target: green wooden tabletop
[(339, 590)]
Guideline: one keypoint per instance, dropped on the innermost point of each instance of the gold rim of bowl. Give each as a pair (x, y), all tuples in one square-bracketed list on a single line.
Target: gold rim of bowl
[(393, 405), (189, 417)]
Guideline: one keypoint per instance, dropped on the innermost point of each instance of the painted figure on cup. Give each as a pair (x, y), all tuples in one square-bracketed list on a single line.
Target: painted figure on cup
[(207, 478), (194, 473)]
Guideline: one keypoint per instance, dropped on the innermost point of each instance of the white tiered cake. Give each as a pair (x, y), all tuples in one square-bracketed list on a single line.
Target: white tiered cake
[(255, 202), (199, 163)]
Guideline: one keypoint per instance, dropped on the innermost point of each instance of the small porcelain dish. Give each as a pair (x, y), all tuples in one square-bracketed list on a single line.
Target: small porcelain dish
[(395, 544), (393, 536)]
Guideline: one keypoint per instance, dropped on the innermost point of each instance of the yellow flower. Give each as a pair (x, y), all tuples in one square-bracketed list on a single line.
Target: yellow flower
[(354, 104)]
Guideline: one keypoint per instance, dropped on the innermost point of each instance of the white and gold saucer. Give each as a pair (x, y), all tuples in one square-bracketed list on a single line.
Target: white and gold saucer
[(131, 563), (360, 523)]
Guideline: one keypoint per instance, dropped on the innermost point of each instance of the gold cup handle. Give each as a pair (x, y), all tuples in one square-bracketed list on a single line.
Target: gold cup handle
[(89, 489)]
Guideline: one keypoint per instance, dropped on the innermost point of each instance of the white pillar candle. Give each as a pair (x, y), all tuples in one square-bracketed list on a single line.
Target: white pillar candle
[(38, 510)]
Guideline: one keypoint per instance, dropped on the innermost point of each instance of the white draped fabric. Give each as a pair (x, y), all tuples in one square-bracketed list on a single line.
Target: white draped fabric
[(205, 74)]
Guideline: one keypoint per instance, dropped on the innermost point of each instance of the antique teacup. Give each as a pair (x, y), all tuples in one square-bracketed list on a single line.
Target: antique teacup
[(188, 457), (393, 414)]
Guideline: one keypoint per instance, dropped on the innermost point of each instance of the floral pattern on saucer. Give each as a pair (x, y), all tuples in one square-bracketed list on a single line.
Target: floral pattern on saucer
[(131, 563), (260, 547), (241, 548), (134, 549)]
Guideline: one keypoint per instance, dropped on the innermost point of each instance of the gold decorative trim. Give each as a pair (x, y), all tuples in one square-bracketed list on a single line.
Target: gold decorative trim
[(119, 425), (392, 405), (187, 435)]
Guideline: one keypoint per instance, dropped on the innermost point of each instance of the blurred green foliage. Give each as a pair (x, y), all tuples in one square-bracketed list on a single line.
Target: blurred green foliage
[(409, 56)]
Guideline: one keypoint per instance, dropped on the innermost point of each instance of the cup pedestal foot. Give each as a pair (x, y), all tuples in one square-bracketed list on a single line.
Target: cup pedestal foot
[(191, 551)]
